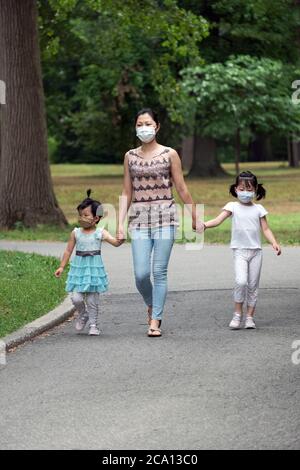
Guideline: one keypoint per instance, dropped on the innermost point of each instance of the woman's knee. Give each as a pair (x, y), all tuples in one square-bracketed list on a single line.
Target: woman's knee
[(142, 276), (160, 273)]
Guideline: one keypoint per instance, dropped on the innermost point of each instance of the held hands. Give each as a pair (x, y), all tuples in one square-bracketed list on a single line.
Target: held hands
[(121, 234), (276, 248), (198, 226), (58, 272)]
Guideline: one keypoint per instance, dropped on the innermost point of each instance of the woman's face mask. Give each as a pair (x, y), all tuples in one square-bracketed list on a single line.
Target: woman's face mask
[(145, 133), (86, 221), (245, 196)]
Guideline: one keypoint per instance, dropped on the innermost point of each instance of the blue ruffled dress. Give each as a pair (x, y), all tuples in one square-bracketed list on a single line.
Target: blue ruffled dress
[(87, 273)]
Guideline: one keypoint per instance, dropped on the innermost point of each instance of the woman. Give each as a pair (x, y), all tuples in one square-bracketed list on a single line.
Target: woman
[(149, 171)]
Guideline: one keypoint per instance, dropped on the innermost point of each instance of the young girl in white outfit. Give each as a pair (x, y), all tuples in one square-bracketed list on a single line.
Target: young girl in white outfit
[(87, 277), (248, 220)]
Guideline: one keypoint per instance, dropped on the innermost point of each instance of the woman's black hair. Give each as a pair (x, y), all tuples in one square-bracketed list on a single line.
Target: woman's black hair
[(96, 206), (149, 111), (250, 179)]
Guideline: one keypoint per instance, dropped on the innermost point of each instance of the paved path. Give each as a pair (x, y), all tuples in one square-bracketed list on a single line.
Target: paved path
[(201, 386), (209, 268)]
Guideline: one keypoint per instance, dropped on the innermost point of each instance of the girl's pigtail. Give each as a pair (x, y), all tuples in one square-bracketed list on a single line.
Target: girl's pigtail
[(88, 192), (232, 190), (261, 192)]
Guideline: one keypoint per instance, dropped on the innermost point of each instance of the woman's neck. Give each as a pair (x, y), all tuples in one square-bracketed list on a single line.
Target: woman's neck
[(148, 148)]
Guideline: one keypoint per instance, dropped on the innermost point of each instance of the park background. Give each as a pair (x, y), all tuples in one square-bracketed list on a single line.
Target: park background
[(220, 74)]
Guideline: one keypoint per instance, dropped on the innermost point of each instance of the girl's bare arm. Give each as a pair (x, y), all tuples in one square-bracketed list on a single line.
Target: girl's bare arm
[(218, 220), (106, 236), (269, 235), (67, 255)]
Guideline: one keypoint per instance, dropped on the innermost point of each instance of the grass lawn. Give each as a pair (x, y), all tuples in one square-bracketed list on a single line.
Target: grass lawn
[(28, 289), (72, 181)]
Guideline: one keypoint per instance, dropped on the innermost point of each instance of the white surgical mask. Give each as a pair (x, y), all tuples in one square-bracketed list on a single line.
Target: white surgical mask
[(245, 196), (145, 133)]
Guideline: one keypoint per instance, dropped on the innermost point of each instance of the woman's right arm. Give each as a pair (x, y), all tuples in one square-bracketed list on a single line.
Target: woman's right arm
[(218, 220), (125, 200)]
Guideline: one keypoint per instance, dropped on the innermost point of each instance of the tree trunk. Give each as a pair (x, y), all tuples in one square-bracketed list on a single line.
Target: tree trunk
[(26, 192), (187, 152), (289, 151), (205, 162), (260, 149), (293, 145), (237, 151)]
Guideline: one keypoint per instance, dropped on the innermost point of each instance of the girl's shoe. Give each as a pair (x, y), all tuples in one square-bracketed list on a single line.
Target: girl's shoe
[(250, 324), (94, 330), (80, 323), (235, 323)]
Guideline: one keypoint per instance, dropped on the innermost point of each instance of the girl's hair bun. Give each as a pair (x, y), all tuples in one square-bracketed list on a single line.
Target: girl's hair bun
[(89, 191)]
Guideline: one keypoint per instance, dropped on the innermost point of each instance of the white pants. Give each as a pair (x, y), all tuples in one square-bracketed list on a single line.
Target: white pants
[(247, 267), (87, 305)]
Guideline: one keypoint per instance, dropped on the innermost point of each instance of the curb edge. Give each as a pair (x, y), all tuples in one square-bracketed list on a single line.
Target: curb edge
[(51, 319)]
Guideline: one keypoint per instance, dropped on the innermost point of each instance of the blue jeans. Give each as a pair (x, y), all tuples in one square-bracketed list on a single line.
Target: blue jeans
[(160, 240)]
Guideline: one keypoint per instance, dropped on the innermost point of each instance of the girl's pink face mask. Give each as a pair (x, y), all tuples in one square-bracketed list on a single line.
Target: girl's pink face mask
[(85, 221)]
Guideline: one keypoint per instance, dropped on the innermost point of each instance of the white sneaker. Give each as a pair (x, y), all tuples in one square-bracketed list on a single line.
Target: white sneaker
[(235, 323), (80, 323), (249, 323), (94, 331)]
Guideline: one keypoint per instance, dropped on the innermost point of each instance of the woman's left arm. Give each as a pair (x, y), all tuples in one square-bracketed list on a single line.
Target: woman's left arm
[(180, 185), (269, 235)]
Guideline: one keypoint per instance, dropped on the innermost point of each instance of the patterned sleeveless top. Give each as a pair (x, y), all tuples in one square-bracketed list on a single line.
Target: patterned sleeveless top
[(153, 204)]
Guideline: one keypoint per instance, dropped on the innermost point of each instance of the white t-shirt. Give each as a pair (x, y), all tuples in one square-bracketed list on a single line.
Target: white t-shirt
[(246, 229)]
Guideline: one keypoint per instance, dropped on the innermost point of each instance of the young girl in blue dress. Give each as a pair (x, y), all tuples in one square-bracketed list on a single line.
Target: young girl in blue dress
[(248, 221), (87, 277)]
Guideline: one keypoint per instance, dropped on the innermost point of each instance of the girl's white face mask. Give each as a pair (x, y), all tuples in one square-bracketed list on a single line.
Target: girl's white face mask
[(145, 133), (245, 196)]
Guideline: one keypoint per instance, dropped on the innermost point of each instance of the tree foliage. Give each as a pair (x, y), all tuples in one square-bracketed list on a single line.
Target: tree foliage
[(243, 96), (245, 92), (107, 63), (105, 59)]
